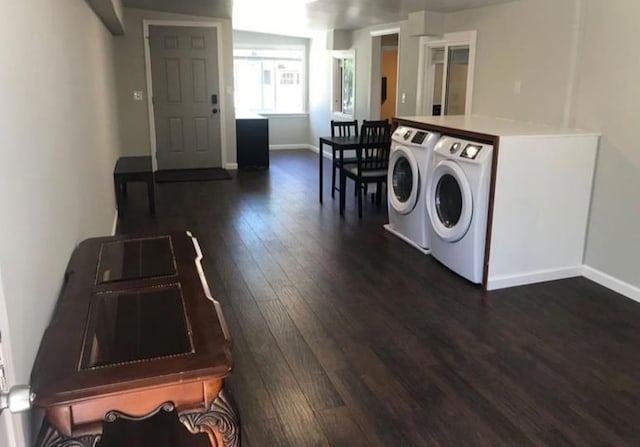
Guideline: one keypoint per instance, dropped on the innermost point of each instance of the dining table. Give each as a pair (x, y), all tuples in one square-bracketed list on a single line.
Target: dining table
[(337, 144)]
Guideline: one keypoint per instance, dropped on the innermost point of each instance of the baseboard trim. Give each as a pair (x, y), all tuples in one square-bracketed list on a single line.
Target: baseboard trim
[(114, 227), (390, 229), (231, 166), (615, 284), (501, 282), (316, 149), (287, 147)]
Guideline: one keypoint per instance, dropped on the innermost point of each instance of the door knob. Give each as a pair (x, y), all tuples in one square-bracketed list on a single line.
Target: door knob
[(214, 111), (17, 399)]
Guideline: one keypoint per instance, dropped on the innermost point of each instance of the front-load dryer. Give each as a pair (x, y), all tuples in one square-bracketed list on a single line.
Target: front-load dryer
[(457, 200), (409, 164)]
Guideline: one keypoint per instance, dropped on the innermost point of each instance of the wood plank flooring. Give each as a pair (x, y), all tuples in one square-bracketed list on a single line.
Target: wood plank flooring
[(347, 337)]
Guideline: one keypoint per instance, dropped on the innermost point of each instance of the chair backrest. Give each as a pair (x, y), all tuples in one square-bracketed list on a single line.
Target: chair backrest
[(375, 144), (344, 128)]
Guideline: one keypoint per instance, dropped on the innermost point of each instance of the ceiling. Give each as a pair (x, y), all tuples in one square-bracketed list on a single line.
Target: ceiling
[(297, 16)]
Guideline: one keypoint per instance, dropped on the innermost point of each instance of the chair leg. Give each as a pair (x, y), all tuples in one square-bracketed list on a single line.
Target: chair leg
[(343, 182), (359, 188), (379, 194), (333, 178)]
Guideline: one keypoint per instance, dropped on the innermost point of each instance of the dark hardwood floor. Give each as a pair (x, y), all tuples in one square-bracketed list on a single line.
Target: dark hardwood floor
[(347, 337)]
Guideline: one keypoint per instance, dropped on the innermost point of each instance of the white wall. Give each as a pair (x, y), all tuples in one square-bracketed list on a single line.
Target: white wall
[(131, 75), (534, 41), (319, 88), (608, 100), (321, 76), (526, 40), (58, 143)]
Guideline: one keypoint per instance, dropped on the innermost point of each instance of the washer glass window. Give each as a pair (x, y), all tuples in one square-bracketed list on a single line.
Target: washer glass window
[(402, 179), (448, 201)]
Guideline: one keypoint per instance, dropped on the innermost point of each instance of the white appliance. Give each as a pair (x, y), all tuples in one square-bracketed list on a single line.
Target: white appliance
[(409, 163), (541, 183), (457, 201)]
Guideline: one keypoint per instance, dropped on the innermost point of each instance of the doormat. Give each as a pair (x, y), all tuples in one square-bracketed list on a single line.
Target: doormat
[(191, 175)]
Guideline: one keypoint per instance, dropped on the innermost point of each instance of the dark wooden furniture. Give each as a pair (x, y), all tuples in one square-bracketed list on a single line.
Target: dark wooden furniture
[(135, 332), (372, 162), (341, 129), (337, 144), (252, 136), (133, 169)]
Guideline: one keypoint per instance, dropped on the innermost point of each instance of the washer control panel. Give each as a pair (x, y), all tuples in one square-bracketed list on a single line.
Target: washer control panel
[(409, 136), (455, 148)]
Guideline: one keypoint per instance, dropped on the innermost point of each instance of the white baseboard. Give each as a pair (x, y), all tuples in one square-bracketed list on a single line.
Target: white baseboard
[(315, 149), (231, 166), (615, 284), (285, 147), (500, 282), (114, 227)]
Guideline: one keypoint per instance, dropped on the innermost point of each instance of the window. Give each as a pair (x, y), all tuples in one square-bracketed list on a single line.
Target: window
[(344, 83), (269, 80)]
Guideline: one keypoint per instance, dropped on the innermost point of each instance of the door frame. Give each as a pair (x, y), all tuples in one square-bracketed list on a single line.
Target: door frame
[(375, 70), (13, 423), (221, 84), (426, 74)]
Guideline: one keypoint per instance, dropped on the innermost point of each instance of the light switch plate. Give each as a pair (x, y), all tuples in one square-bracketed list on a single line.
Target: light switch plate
[(138, 95)]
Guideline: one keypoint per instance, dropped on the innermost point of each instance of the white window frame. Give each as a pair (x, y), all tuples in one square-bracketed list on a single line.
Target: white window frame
[(426, 72), (336, 91), (303, 76)]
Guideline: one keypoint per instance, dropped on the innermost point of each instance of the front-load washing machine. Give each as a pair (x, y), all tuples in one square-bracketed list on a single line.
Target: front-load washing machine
[(457, 201), (409, 163)]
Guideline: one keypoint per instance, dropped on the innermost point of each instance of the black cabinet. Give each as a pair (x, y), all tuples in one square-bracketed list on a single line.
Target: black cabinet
[(252, 135)]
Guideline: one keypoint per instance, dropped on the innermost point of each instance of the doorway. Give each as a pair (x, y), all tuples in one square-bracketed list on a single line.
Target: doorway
[(445, 78), (389, 73), (385, 48), (184, 77)]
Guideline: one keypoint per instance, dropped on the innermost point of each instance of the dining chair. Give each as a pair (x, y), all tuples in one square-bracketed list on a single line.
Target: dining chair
[(341, 129), (372, 162)]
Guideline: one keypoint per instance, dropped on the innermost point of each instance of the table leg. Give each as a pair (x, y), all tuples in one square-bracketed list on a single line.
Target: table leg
[(151, 195), (320, 165), (50, 437), (119, 198), (220, 422)]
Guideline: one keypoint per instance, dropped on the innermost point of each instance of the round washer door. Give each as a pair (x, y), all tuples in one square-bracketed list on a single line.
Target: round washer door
[(449, 201), (403, 180)]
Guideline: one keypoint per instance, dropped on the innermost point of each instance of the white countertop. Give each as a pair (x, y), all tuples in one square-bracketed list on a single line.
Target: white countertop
[(499, 127)]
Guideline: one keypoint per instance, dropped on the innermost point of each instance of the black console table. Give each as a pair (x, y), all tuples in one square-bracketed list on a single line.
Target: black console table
[(252, 134)]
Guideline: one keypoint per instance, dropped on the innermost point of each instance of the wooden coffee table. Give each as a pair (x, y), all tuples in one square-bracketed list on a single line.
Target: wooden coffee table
[(135, 332)]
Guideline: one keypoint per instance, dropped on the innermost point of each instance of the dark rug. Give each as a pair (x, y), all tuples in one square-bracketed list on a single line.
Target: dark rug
[(191, 175)]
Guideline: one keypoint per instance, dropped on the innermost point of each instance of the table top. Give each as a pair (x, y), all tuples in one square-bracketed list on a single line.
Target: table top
[(341, 141), (132, 165), (135, 312)]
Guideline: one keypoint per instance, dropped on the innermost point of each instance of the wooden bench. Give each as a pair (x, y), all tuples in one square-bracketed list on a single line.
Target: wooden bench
[(136, 332), (133, 169)]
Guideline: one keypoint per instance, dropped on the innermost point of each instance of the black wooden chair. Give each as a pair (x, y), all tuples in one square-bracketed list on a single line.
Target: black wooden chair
[(372, 162), (341, 129)]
